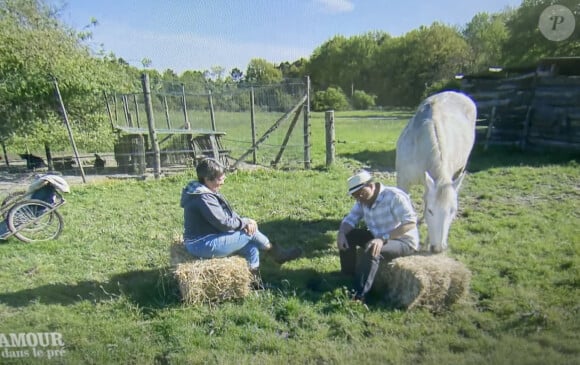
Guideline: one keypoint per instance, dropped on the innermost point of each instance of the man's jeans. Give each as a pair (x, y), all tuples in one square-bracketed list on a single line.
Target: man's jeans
[(226, 244), (368, 265)]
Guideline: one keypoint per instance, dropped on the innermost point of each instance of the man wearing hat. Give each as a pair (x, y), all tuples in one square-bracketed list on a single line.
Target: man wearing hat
[(390, 232)]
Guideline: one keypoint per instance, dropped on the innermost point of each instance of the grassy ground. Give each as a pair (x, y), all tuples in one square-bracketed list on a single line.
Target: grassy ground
[(105, 283)]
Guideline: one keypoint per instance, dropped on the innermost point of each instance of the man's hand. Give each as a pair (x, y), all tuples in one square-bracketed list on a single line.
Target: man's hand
[(341, 241), (374, 246), (251, 227)]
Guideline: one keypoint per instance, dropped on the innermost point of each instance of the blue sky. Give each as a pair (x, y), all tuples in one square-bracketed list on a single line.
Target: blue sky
[(198, 34)]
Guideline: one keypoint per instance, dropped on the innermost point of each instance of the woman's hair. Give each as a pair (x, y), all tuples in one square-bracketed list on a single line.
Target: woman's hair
[(209, 169)]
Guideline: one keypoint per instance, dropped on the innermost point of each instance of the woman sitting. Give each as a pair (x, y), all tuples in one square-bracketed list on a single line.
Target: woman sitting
[(213, 229)]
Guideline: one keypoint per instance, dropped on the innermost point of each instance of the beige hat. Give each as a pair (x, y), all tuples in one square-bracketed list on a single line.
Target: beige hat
[(359, 180)]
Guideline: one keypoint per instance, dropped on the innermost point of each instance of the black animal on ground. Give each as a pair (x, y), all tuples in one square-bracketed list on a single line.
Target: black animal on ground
[(32, 162), (99, 163)]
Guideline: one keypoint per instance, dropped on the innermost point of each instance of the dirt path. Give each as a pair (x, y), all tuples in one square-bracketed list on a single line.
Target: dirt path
[(17, 181)]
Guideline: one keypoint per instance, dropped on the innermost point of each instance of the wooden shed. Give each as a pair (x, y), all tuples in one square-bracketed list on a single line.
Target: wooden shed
[(536, 106)]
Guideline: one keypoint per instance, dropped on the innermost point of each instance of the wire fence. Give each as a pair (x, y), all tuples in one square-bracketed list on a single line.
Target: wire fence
[(250, 123)]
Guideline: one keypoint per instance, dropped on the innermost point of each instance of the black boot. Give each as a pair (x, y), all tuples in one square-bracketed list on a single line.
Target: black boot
[(282, 255)]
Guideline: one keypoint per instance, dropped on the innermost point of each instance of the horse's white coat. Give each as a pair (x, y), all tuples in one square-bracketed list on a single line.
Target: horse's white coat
[(433, 149)]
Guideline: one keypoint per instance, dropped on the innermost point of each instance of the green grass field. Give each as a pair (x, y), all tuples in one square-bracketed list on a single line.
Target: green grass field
[(106, 287)]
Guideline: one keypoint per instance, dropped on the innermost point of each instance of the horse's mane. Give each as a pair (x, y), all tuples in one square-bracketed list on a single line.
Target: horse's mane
[(438, 145)]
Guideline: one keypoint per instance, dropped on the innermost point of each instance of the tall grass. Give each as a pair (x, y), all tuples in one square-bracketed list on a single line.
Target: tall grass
[(105, 284)]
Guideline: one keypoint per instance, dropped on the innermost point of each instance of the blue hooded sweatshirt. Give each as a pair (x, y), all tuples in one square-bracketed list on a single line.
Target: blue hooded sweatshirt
[(206, 212)]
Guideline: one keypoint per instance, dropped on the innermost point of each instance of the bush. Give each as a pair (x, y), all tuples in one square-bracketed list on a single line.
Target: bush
[(443, 85), (362, 100), (331, 99)]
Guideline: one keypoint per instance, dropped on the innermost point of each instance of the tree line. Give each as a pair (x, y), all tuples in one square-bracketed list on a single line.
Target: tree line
[(38, 50)]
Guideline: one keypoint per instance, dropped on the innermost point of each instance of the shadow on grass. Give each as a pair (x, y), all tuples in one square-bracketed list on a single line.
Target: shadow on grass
[(377, 160), (505, 156), (157, 288), (314, 237), (150, 289), (480, 159), (391, 115), (315, 286)]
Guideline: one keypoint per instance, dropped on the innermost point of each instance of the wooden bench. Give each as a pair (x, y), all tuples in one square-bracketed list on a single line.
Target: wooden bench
[(133, 145), (210, 145)]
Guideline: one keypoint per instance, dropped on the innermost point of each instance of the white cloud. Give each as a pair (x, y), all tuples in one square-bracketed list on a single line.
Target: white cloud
[(336, 6)]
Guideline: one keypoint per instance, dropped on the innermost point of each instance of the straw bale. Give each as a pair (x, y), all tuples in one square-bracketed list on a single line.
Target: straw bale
[(430, 281), (209, 280)]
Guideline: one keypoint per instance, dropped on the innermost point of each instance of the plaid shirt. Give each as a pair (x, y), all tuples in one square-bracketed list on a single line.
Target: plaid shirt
[(392, 208)]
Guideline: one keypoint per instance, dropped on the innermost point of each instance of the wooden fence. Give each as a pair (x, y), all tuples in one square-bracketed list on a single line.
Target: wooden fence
[(139, 147), (527, 110)]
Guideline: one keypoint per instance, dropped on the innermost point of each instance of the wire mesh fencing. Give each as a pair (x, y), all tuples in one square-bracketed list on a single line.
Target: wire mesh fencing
[(256, 124)]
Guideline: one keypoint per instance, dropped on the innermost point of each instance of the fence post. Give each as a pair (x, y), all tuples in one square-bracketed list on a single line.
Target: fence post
[(69, 130), (186, 119), (211, 112), (151, 123), (5, 153), (128, 118), (330, 141), (136, 110), (109, 110), (115, 110), (253, 126), (166, 112), (307, 125)]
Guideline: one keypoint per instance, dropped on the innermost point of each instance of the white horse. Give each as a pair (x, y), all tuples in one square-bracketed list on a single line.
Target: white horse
[(433, 149)]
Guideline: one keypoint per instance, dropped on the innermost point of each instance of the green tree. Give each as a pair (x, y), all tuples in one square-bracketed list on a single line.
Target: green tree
[(486, 35), (260, 71), (325, 63), (38, 49), (346, 62), (526, 44), (294, 70), (421, 58), (333, 98)]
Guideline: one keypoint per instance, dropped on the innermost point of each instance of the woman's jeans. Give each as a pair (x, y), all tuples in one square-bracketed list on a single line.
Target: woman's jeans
[(368, 265), (229, 243)]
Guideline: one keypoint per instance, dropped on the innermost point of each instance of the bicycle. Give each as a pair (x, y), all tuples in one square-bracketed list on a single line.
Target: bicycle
[(32, 216)]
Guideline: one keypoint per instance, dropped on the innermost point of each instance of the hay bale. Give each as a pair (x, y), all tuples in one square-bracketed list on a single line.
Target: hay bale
[(431, 281), (209, 280)]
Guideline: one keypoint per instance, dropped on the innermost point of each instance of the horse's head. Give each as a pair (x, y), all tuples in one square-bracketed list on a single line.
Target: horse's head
[(440, 202)]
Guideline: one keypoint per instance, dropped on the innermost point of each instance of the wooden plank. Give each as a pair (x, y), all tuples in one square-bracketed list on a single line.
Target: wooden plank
[(214, 147), (287, 137), (489, 128), (210, 146), (194, 132), (269, 131)]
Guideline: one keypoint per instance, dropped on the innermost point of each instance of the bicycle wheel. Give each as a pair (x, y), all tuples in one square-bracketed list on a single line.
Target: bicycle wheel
[(34, 220), (10, 200)]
